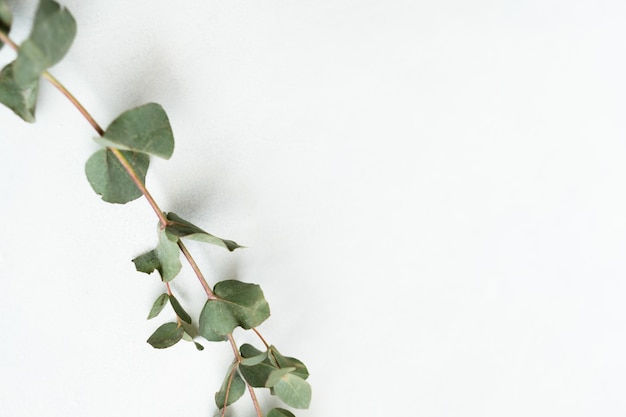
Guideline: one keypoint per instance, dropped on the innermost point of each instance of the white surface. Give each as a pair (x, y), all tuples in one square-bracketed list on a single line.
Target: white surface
[(432, 196)]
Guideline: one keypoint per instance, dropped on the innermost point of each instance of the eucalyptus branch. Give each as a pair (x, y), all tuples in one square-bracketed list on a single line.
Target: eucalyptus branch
[(117, 173)]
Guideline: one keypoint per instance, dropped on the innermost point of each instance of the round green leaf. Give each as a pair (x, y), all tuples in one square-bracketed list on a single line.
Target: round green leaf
[(166, 335), (109, 179), (143, 129)]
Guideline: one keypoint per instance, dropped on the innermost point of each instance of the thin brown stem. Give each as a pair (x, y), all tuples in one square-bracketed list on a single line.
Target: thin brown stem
[(197, 271), (137, 181), (4, 38), (255, 401), (260, 337)]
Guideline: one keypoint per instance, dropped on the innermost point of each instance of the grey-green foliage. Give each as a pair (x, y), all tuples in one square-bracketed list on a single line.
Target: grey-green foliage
[(52, 35), (114, 173), (285, 376)]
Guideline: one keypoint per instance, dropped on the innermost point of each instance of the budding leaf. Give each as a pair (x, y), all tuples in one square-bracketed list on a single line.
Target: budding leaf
[(143, 129), (5, 19), (22, 100), (52, 35), (238, 304), (166, 335), (236, 390), (109, 179), (158, 305), (182, 228), (293, 390), (180, 311), (279, 412)]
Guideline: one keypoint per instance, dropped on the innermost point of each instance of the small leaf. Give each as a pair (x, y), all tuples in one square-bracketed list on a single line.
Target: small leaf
[(281, 361), (5, 19), (182, 228), (147, 262), (235, 391), (158, 305), (239, 304), (109, 179), (294, 391), (143, 129), (166, 335), (199, 346), (254, 360), (22, 100), (180, 311), (52, 35), (279, 412)]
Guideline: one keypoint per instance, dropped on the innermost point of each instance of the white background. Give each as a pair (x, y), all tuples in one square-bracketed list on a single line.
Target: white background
[(432, 196)]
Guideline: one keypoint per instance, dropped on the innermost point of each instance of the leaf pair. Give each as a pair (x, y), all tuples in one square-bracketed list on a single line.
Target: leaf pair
[(136, 133), (284, 376), (238, 304), (53, 32), (162, 301)]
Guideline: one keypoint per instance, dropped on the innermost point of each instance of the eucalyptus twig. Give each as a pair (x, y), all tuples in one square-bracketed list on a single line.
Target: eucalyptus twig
[(117, 173)]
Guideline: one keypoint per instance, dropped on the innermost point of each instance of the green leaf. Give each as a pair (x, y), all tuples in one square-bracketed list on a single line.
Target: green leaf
[(22, 100), (257, 375), (5, 19), (166, 335), (281, 361), (147, 262), (279, 412), (180, 311), (199, 346), (254, 360), (238, 304), (158, 305), (235, 391), (109, 179), (293, 390), (143, 129), (52, 35), (182, 228)]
